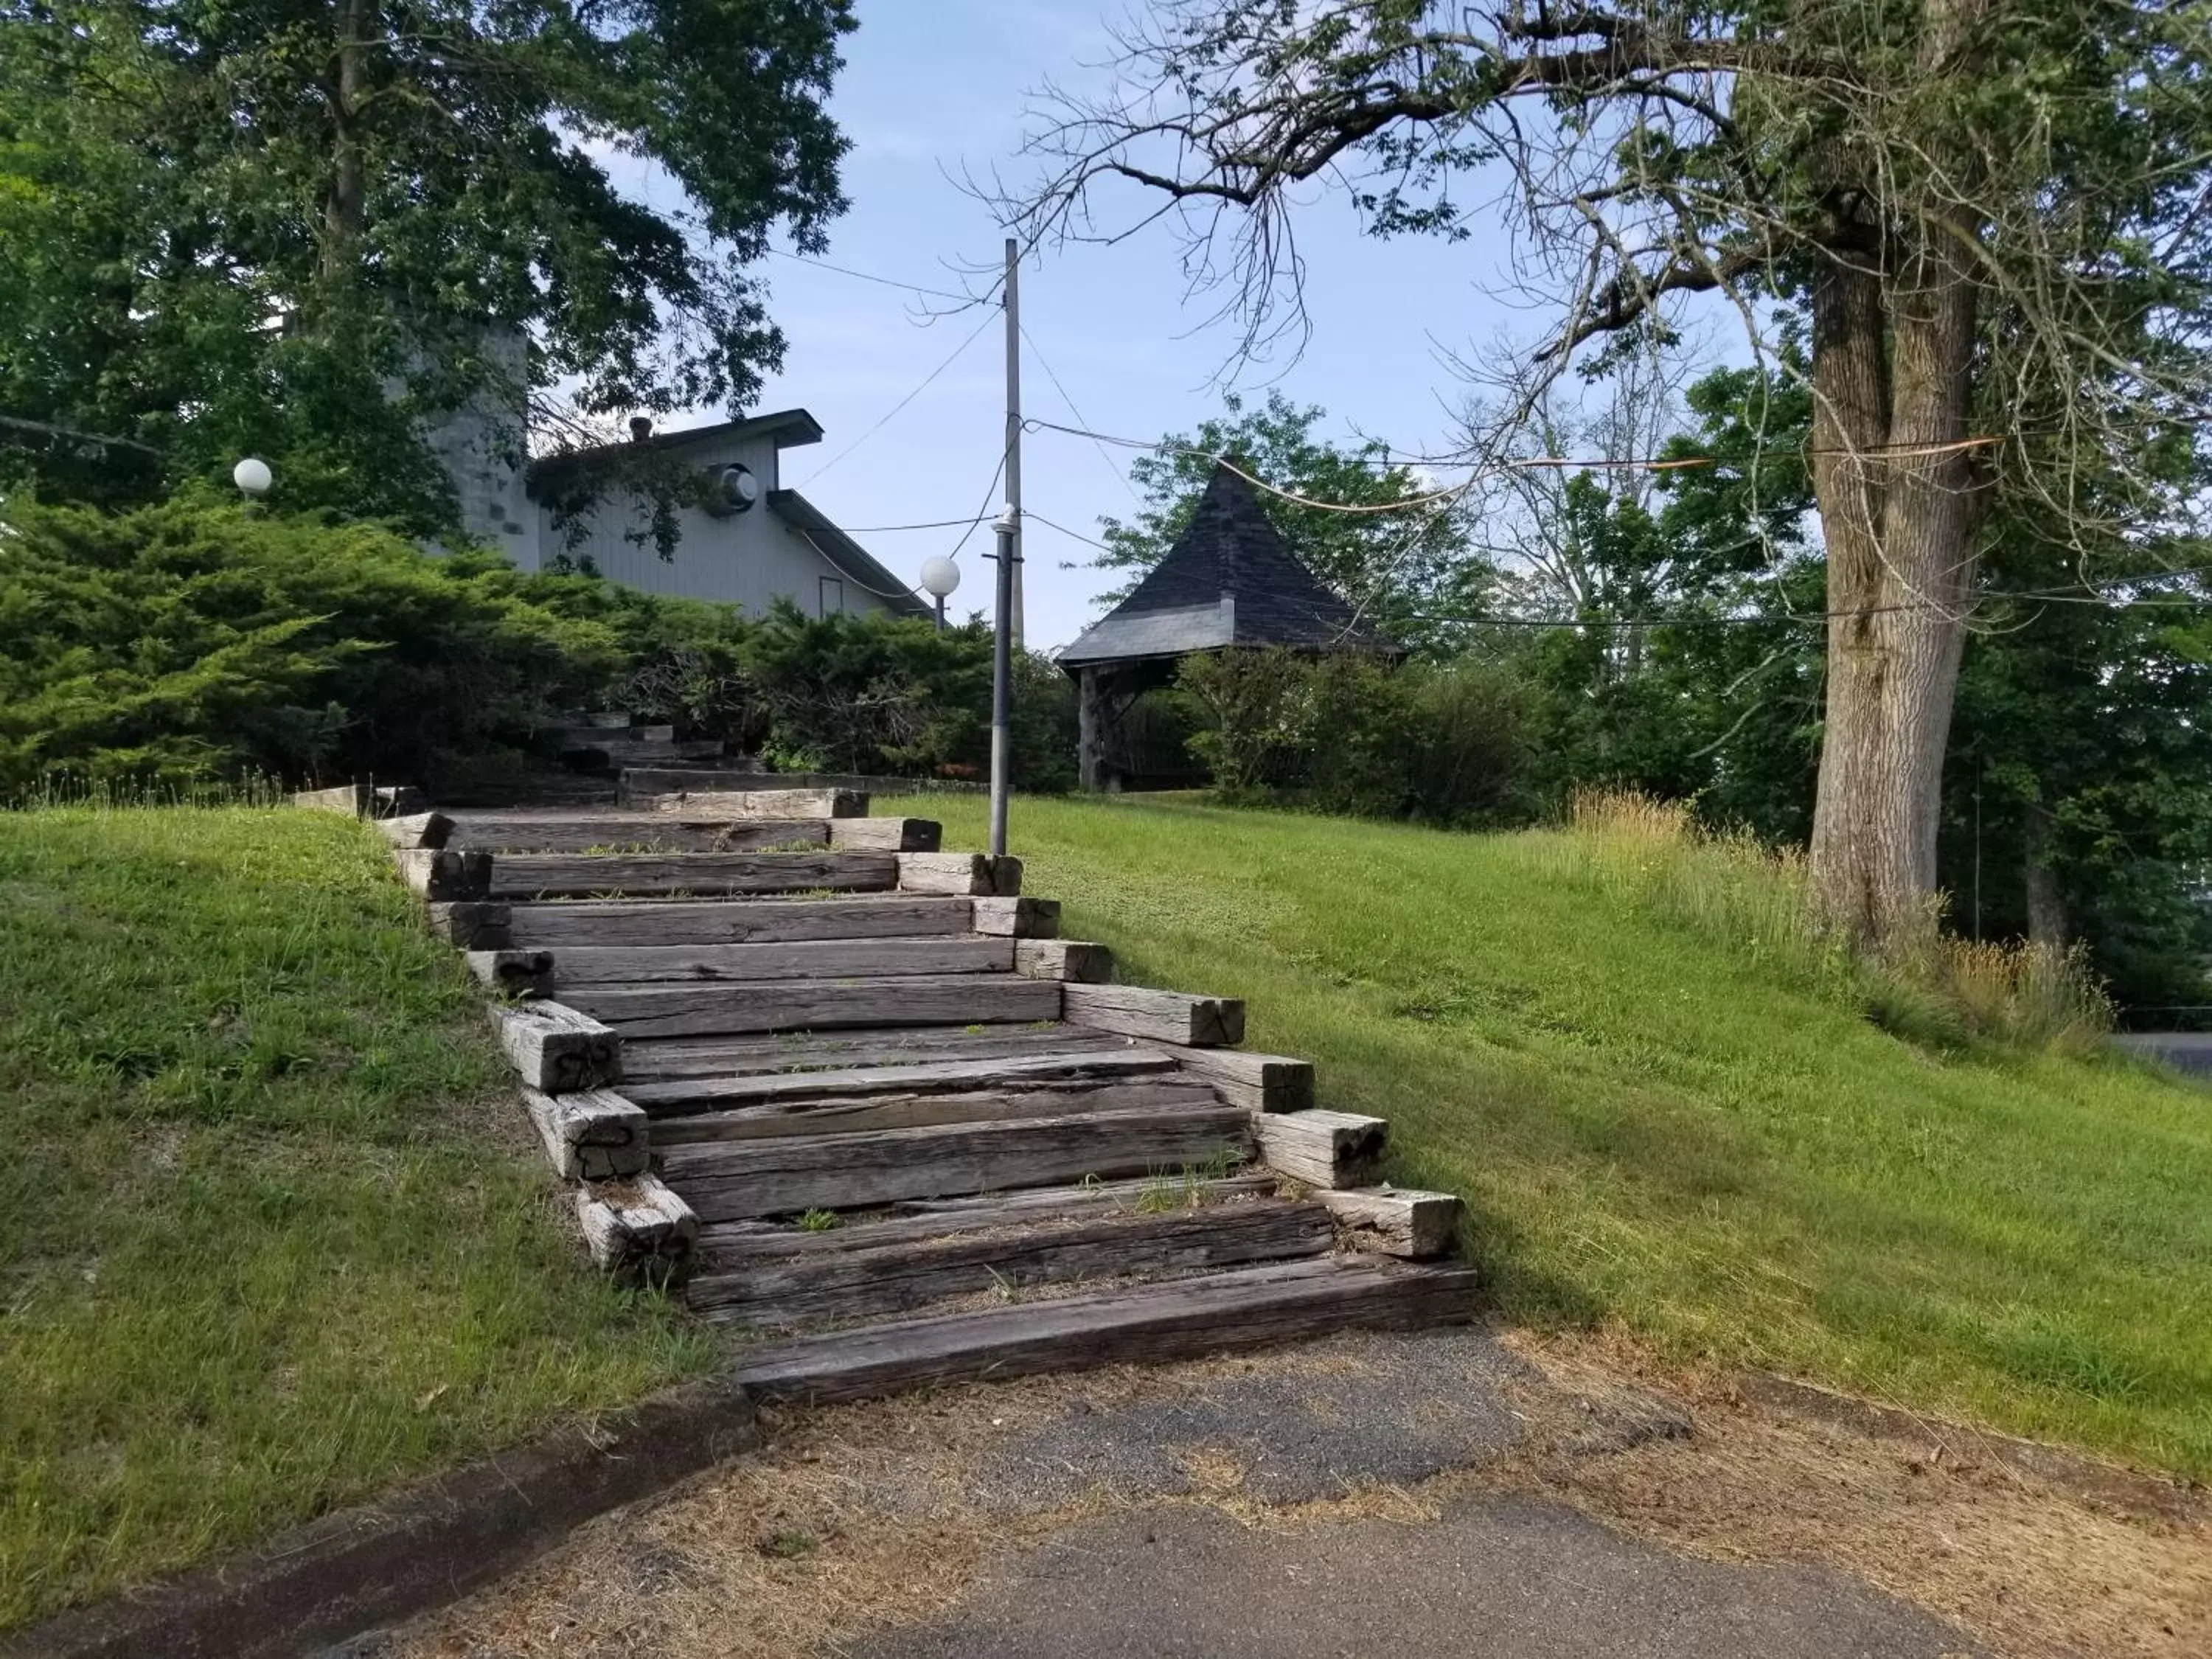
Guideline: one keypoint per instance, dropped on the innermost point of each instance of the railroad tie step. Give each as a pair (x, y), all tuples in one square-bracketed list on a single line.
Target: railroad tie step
[(735, 921), (867, 1274), (582, 875), (789, 1174), (611, 832), (646, 964), (672, 1079), (817, 1114), (813, 1005), (867, 1049), (1182, 1319)]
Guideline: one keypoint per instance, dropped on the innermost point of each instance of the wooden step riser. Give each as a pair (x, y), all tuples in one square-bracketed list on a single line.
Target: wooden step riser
[(674, 1097), (648, 832), (672, 1058), (695, 964), (816, 1004), (764, 921), (729, 1245), (789, 1176), (583, 875), (1218, 1313), (872, 1283), (921, 1111)]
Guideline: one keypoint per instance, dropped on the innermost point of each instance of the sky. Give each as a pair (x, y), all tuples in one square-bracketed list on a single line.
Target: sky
[(934, 88)]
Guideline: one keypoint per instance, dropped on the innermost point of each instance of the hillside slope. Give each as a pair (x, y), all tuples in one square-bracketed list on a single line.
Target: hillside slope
[(1686, 1135), (271, 1238)]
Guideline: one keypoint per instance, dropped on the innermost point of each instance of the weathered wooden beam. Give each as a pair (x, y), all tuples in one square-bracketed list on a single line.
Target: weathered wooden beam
[(347, 798), (1320, 1148), (445, 874), (739, 803), (670, 1096), (638, 1230), (1394, 1221), (789, 1174), (843, 1114), (556, 874), (976, 873), (760, 921), (593, 1134), (472, 924), (514, 973), (634, 832), (1075, 960), (431, 830), (834, 958), (385, 800), (897, 1278), (556, 1049), (1017, 917), (1161, 1016), (886, 835), (818, 1004), (1259, 1083)]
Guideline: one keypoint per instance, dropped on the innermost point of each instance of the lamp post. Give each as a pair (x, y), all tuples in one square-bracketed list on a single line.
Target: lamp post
[(939, 577), (253, 477), (1008, 527)]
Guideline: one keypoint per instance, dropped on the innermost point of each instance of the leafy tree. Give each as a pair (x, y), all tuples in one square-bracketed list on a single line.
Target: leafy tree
[(1993, 212), (1410, 573), (302, 229)]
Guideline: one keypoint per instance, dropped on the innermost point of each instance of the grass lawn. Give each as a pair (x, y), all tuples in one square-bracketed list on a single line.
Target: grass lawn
[(1653, 1125), (272, 1236)]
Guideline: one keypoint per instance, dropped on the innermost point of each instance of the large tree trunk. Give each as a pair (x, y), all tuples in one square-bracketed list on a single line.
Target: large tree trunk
[(1891, 370), (345, 206)]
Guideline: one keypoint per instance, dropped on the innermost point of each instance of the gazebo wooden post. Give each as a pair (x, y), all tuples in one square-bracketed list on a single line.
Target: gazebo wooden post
[(1089, 726)]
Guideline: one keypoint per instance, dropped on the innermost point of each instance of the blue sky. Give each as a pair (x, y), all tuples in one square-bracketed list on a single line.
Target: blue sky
[(933, 87)]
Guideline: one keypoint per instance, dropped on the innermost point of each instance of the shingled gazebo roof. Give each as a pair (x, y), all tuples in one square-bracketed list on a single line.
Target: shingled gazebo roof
[(1228, 580)]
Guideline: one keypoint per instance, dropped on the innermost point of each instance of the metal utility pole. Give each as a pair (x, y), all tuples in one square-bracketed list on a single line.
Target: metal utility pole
[(1002, 677), (1011, 616)]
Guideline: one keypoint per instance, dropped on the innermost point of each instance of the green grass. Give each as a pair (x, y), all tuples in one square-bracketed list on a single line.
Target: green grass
[(272, 1236), (1699, 1136)]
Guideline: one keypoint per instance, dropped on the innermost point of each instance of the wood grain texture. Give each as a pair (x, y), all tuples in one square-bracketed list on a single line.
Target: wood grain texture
[(977, 874), (593, 1134), (1019, 917), (514, 973), (886, 835), (790, 1173), (737, 801), (818, 1004), (580, 874), (1241, 1308), (346, 798), (676, 1095), (632, 832), (1075, 960), (445, 874), (797, 959), (1159, 1015), (416, 829), (725, 1244), (845, 1113), (1261, 1083), (472, 924), (678, 922), (897, 1278), (639, 1229), (556, 1049), (1396, 1221), (659, 1058), (1321, 1148)]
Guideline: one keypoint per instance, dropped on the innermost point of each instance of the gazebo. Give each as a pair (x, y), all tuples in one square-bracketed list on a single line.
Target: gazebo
[(1228, 581)]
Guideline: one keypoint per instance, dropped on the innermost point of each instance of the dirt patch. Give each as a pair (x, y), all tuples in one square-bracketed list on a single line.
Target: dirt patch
[(860, 1519)]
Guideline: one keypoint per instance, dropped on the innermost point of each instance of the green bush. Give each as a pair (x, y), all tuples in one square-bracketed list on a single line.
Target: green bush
[(203, 640), (1442, 742)]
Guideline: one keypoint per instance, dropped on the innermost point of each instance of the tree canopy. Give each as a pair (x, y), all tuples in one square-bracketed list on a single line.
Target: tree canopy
[(297, 227)]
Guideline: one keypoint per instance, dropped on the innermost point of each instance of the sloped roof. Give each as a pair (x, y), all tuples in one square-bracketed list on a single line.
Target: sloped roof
[(1228, 580)]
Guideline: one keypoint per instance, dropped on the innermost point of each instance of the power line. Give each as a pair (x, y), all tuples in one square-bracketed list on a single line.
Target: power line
[(931, 524), (1031, 513), (888, 416), (889, 281), (1067, 398)]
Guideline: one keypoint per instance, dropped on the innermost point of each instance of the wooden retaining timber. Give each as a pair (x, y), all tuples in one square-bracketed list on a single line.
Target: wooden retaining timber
[(786, 1175), (554, 875), (642, 964), (1180, 1320), (867, 1080), (759, 921)]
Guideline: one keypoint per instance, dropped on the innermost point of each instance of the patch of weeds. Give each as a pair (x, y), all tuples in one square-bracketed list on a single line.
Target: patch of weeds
[(820, 1221), (788, 1546)]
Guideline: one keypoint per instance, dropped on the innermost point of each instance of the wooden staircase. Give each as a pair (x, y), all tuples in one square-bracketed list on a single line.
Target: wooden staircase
[(834, 1084)]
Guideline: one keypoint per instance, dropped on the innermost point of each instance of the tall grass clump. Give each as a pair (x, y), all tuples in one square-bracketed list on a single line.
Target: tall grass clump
[(1727, 887)]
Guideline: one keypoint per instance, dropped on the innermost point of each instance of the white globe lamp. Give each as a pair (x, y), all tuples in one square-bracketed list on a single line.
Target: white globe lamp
[(939, 577), (253, 477)]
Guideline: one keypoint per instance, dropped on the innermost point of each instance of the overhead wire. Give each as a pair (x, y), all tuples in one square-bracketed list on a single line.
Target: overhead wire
[(927, 380), (1068, 398), (983, 298)]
